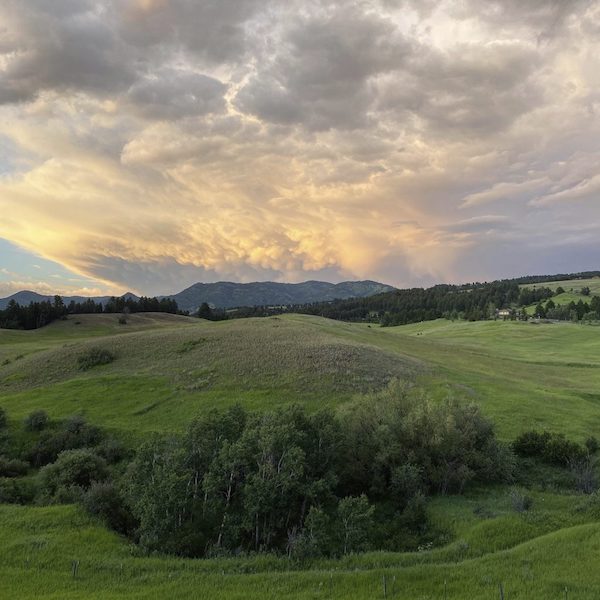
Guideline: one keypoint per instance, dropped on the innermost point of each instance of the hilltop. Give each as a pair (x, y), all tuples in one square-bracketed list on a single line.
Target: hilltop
[(167, 368)]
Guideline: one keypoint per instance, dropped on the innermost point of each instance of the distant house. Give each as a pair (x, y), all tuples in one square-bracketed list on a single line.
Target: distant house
[(504, 313)]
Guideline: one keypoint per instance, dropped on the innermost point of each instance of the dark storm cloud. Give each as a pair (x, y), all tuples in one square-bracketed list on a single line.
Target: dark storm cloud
[(59, 46), (213, 30), (320, 76), (408, 140), (471, 89)]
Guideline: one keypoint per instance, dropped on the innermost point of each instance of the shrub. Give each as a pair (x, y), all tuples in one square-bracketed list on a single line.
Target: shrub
[(552, 448), (95, 357), (520, 502), (112, 450), (36, 421), (104, 500), (73, 468), (12, 467), (3, 418), (584, 475), (17, 491), (75, 433)]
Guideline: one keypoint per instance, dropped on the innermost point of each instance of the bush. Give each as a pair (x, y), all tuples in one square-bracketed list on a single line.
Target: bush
[(75, 433), (95, 357), (552, 448), (112, 450), (73, 468), (12, 467), (3, 418), (104, 500), (36, 421), (584, 475), (17, 491)]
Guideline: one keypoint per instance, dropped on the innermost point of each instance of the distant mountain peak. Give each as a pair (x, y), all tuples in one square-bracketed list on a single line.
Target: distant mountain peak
[(229, 294)]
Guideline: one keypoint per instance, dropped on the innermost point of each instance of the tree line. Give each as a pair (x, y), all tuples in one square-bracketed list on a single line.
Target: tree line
[(39, 314)]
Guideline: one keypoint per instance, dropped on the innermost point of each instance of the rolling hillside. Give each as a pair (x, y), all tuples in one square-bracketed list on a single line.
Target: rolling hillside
[(169, 368)]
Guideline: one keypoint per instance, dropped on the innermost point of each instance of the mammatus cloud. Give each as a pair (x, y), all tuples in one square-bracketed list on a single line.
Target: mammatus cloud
[(154, 143)]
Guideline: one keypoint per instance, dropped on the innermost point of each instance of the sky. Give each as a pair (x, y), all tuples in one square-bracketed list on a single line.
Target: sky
[(149, 144)]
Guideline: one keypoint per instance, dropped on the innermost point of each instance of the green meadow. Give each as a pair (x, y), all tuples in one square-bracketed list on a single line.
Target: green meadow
[(168, 369)]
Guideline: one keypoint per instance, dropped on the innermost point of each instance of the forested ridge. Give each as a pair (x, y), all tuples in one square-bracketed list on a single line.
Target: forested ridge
[(38, 314)]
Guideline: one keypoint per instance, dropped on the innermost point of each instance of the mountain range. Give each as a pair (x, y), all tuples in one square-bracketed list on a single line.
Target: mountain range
[(227, 294)]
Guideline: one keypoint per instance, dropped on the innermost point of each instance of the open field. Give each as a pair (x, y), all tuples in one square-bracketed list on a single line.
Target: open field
[(168, 368), (165, 373)]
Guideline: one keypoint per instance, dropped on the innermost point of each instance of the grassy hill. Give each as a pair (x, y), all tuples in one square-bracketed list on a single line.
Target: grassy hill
[(168, 368)]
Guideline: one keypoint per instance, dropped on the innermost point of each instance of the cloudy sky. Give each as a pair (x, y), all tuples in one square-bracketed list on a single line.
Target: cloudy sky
[(150, 144)]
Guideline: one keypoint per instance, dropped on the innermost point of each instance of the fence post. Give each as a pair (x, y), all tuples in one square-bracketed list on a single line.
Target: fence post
[(566, 593), (501, 592), (445, 589), (75, 568)]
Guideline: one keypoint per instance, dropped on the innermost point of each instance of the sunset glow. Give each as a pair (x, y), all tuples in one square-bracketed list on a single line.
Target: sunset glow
[(150, 144)]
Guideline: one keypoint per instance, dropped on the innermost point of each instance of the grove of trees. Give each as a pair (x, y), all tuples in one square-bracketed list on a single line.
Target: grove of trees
[(39, 314)]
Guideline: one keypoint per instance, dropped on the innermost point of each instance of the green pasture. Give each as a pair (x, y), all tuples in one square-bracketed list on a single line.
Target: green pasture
[(168, 369), (544, 375)]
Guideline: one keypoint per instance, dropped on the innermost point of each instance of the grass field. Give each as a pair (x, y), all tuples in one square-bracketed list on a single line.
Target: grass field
[(168, 368), (167, 371)]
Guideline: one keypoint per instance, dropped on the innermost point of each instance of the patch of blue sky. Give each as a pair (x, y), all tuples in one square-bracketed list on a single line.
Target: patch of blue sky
[(19, 264)]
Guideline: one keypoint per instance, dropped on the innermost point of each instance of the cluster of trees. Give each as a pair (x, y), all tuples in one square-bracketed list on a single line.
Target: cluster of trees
[(39, 314), (574, 311), (205, 311), (302, 484), (70, 456), (529, 296), (284, 481), (472, 302), (288, 482)]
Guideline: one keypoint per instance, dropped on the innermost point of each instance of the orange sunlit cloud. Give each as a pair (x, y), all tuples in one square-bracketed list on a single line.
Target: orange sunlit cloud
[(150, 144)]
